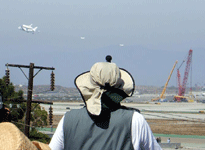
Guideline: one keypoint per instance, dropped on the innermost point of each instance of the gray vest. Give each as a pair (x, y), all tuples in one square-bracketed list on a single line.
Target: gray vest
[(81, 132)]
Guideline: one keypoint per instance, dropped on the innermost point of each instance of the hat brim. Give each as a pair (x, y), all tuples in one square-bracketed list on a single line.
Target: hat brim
[(86, 87)]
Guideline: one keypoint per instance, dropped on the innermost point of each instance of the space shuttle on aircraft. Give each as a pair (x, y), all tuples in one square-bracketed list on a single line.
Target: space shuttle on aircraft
[(27, 28)]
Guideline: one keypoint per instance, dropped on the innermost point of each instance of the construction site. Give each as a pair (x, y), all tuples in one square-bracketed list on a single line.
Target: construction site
[(182, 86)]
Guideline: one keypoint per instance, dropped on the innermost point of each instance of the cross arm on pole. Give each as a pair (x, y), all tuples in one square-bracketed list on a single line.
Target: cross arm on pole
[(31, 68), (28, 66)]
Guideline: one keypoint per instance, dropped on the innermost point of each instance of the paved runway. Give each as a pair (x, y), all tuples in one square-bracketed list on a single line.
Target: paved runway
[(186, 111)]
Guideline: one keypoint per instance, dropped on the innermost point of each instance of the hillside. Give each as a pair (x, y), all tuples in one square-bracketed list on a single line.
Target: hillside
[(45, 89)]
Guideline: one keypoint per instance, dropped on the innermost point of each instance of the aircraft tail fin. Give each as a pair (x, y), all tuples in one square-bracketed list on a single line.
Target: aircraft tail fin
[(34, 29)]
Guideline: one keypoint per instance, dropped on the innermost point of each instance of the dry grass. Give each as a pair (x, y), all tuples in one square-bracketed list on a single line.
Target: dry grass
[(177, 127)]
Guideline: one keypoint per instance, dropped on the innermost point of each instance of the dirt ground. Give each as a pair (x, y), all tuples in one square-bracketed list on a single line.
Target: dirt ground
[(162, 126), (56, 119)]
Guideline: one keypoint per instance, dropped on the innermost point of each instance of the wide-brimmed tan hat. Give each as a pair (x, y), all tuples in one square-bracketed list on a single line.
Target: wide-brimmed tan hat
[(11, 138), (102, 75)]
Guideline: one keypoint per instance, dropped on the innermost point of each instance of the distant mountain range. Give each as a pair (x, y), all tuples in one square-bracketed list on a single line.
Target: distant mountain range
[(147, 66), (43, 89)]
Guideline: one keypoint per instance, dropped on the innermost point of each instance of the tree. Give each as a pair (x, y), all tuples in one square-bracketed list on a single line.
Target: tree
[(17, 111), (38, 116)]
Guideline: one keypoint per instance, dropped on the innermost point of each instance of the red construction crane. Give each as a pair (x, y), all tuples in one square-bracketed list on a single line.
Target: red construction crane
[(182, 88)]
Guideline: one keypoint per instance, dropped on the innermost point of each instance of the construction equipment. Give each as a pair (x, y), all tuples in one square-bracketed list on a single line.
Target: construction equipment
[(182, 88), (189, 98), (162, 96)]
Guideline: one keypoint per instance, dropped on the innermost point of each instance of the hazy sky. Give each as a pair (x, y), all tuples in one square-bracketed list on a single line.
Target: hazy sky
[(160, 25)]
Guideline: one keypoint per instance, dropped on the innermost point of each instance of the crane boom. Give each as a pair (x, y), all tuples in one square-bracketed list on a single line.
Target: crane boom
[(186, 73), (179, 81), (182, 87), (179, 78), (165, 87)]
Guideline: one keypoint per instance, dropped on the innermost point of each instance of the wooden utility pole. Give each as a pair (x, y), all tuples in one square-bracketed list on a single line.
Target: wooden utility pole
[(29, 99), (30, 90)]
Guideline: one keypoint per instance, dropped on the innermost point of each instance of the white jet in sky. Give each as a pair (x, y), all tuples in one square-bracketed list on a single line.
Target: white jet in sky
[(121, 45), (28, 28)]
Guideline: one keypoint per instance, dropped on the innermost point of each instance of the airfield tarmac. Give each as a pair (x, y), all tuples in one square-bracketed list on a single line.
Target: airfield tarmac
[(164, 118), (187, 111)]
